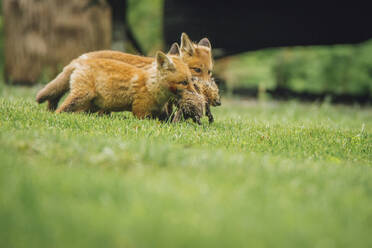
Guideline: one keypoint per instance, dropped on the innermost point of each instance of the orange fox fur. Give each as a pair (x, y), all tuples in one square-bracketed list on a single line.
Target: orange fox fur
[(197, 56), (111, 85)]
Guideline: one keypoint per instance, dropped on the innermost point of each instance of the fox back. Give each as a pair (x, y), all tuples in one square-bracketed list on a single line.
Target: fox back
[(135, 60)]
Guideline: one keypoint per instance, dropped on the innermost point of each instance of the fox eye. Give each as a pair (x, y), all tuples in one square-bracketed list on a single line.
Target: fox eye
[(209, 72), (183, 83), (198, 70)]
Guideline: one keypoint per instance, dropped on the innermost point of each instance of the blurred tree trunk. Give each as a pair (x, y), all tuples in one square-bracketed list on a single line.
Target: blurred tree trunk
[(41, 36)]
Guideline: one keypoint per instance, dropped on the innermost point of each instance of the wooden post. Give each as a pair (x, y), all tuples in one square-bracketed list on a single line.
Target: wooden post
[(41, 36)]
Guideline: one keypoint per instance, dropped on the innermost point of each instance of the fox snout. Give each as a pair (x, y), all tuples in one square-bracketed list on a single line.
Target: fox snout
[(217, 102)]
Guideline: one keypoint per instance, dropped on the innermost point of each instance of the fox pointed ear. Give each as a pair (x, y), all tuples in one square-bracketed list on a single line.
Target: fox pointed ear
[(186, 44), (205, 42), (174, 50), (164, 62)]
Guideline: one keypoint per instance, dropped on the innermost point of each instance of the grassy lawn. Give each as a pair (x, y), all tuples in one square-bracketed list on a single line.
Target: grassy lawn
[(263, 175)]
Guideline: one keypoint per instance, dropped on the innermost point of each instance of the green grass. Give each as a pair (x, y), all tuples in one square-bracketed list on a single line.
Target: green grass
[(263, 175)]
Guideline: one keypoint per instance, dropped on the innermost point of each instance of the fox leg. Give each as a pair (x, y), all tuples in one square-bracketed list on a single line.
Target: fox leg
[(104, 112), (94, 109), (77, 102), (140, 110), (209, 113), (53, 103), (177, 116), (141, 114), (196, 119), (166, 112)]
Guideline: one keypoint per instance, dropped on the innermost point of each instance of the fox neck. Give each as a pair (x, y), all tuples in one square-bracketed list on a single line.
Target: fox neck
[(157, 85)]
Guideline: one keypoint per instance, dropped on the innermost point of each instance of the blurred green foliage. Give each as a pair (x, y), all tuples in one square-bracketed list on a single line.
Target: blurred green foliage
[(336, 69), (145, 19)]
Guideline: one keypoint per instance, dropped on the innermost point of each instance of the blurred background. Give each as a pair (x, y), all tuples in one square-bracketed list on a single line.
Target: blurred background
[(274, 50)]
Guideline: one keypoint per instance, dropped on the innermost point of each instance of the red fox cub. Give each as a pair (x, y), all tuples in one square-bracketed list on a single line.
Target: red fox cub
[(110, 85), (199, 59), (197, 56)]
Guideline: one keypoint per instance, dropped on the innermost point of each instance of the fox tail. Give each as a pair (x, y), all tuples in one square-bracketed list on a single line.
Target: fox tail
[(55, 89)]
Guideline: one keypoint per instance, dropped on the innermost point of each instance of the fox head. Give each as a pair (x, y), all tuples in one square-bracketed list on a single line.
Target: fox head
[(198, 57), (174, 73)]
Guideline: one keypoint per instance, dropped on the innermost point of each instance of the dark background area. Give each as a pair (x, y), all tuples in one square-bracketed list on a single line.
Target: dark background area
[(308, 51), (239, 26)]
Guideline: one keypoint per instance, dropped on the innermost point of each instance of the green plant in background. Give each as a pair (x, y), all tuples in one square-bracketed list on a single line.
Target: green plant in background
[(336, 69), (145, 18), (249, 69)]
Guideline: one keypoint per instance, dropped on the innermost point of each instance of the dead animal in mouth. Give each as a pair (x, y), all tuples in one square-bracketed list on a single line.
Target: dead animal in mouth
[(191, 105)]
